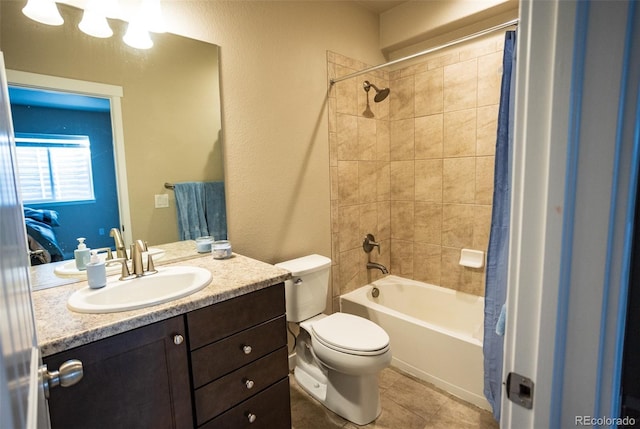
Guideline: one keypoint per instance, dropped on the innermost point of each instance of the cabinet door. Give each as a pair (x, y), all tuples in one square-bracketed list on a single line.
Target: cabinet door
[(136, 379)]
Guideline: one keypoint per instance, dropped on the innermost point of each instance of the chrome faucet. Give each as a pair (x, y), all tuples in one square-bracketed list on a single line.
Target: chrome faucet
[(372, 265), (121, 251)]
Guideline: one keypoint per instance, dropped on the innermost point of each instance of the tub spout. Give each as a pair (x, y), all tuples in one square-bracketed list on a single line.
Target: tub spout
[(371, 265)]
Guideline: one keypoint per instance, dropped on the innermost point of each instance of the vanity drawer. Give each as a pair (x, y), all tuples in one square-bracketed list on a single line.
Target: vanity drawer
[(229, 317), (270, 408), (222, 394), (224, 356)]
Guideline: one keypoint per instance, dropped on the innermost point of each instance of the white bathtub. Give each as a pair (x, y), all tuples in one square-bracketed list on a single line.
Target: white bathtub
[(436, 333)]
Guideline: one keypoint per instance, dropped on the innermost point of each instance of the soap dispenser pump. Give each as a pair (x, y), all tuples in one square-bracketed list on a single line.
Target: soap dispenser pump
[(96, 271), (82, 255)]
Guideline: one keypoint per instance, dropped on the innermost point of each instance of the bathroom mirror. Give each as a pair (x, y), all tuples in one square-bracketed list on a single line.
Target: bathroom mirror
[(170, 105)]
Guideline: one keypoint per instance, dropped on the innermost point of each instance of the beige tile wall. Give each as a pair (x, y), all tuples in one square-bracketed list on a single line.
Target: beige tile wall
[(415, 170)]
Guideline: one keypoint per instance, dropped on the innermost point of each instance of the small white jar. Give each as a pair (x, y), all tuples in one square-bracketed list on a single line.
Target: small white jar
[(203, 244), (221, 249)]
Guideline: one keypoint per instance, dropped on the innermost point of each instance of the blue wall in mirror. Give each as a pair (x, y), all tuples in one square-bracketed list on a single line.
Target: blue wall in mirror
[(94, 219)]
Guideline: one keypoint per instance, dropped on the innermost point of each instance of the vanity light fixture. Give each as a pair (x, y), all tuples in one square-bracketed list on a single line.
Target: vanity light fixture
[(137, 36), (151, 11), (149, 18), (94, 20), (43, 11)]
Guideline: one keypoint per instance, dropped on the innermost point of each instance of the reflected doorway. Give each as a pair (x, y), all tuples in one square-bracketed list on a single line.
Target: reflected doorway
[(65, 151)]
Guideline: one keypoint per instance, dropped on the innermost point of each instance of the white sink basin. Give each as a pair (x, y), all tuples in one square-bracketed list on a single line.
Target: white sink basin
[(167, 284), (68, 269)]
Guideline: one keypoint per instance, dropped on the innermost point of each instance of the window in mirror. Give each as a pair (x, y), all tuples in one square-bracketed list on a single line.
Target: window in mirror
[(54, 168)]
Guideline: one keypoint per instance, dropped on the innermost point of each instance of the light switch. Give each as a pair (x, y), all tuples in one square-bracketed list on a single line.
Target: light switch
[(162, 201)]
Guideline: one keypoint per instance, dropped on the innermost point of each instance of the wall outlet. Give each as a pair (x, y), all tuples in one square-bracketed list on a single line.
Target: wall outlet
[(162, 201)]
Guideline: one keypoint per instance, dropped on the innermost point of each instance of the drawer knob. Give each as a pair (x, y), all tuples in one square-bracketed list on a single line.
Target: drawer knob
[(249, 383), (246, 349), (251, 417), (178, 339)]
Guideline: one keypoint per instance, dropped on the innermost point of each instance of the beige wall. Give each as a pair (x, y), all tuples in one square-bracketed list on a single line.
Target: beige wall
[(419, 174), (170, 105), (274, 97), (417, 25)]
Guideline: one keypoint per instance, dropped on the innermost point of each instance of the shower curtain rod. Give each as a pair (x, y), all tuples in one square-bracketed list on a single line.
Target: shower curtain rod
[(428, 51)]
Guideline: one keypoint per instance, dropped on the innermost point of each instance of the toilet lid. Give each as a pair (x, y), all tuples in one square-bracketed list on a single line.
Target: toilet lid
[(350, 333)]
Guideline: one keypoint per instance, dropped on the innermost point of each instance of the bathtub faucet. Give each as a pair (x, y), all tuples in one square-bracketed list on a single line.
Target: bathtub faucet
[(371, 265)]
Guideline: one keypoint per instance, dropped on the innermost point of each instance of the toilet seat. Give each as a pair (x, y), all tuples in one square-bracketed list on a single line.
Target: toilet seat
[(350, 334)]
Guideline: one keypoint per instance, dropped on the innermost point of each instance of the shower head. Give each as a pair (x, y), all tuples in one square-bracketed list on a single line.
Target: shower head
[(381, 94)]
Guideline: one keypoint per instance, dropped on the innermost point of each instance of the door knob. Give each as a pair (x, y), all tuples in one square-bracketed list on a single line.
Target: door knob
[(70, 373)]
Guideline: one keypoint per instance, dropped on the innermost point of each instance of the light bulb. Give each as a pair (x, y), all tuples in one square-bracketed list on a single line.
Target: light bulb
[(137, 36), (152, 13), (95, 24), (43, 11)]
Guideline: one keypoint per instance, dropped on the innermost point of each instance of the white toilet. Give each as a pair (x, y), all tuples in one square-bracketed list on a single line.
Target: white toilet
[(338, 356)]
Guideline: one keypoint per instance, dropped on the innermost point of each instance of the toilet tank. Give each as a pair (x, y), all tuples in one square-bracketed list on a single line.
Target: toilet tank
[(306, 292)]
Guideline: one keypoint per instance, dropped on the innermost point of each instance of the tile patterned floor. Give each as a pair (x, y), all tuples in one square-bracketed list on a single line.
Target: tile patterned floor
[(407, 403)]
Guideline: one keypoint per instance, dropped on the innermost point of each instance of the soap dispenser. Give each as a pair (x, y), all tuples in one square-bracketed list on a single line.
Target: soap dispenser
[(82, 255), (96, 271)]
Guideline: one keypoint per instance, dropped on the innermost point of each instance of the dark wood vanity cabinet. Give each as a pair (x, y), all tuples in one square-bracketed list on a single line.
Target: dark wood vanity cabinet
[(222, 366), (240, 362), (136, 379)]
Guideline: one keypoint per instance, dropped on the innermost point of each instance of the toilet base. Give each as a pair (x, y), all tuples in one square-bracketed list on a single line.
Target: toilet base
[(355, 398)]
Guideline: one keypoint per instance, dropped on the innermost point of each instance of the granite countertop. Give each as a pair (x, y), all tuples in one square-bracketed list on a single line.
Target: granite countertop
[(42, 276), (61, 329)]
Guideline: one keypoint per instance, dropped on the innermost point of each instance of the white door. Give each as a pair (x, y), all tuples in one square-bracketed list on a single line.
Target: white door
[(22, 402), (573, 170)]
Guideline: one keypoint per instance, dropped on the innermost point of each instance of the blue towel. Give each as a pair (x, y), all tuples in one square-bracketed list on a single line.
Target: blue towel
[(215, 209), (190, 205)]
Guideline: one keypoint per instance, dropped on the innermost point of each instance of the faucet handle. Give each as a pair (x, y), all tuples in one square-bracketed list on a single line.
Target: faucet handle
[(151, 269), (126, 274), (105, 249), (369, 243)]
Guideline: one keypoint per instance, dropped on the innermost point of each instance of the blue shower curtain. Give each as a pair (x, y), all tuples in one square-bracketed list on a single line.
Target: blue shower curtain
[(497, 254)]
